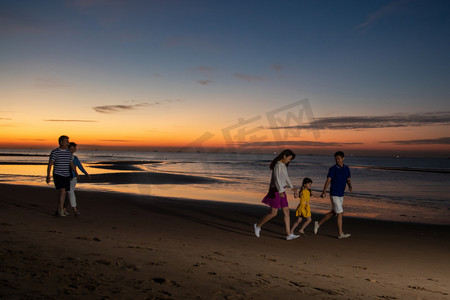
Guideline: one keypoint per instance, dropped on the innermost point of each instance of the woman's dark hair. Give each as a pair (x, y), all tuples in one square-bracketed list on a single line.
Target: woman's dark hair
[(72, 144), (280, 156)]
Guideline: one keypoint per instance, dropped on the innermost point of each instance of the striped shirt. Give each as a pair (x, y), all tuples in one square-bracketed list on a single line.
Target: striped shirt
[(61, 162)]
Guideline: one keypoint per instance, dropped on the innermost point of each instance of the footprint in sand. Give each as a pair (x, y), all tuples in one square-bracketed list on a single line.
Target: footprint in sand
[(419, 288), (161, 280), (229, 294), (360, 267), (85, 238)]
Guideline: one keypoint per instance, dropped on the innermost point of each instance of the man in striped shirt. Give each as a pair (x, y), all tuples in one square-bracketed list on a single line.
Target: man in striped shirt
[(61, 161)]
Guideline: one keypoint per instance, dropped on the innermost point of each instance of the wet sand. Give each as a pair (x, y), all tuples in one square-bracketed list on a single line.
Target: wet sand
[(142, 247)]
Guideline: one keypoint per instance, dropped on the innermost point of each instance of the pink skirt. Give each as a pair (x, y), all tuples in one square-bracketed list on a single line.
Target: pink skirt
[(277, 202)]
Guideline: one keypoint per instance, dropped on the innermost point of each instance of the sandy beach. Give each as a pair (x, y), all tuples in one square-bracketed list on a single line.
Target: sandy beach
[(142, 247)]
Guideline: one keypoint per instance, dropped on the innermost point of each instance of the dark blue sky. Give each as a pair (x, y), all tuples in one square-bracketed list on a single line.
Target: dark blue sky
[(179, 61)]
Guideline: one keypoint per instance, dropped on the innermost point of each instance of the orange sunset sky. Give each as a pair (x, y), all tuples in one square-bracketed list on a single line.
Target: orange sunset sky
[(367, 78)]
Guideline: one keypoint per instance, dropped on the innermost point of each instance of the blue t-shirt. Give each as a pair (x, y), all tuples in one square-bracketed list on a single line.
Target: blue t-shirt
[(339, 176), (78, 164)]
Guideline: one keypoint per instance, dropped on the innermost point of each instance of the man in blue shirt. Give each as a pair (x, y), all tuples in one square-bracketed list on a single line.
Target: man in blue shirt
[(339, 176)]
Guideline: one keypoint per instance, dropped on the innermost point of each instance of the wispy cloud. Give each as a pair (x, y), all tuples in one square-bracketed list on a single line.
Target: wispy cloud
[(5, 119), (248, 78), (14, 23), (204, 82), (75, 121), (383, 12), (436, 141), (296, 143), (370, 122), (276, 67), (119, 141), (48, 83), (173, 100), (204, 69), (109, 109)]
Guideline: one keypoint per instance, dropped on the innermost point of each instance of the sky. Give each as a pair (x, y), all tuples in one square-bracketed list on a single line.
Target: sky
[(366, 77)]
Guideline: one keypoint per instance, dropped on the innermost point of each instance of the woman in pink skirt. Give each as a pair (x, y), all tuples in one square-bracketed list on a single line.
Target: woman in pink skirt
[(276, 197)]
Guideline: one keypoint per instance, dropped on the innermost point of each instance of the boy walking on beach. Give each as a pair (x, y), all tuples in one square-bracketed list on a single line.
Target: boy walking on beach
[(339, 177), (61, 161)]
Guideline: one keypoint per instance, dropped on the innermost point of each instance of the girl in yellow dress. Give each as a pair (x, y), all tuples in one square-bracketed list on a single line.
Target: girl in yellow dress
[(303, 209)]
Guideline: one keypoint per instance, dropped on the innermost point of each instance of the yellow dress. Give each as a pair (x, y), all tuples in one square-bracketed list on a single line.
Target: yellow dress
[(303, 208)]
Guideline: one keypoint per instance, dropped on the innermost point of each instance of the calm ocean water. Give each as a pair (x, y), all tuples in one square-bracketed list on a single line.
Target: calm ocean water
[(397, 189)]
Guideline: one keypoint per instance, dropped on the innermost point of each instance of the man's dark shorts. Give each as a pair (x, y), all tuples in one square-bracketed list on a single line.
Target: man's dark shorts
[(61, 182)]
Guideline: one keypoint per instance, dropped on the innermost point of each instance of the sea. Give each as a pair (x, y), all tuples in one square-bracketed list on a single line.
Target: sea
[(401, 189)]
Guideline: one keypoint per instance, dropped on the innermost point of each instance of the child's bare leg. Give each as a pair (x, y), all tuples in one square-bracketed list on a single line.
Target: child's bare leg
[(308, 220), (299, 220)]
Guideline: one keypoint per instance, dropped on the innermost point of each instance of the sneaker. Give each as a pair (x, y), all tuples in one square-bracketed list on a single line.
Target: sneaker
[(302, 233), (62, 214), (291, 237), (66, 213), (257, 230), (344, 235), (316, 227)]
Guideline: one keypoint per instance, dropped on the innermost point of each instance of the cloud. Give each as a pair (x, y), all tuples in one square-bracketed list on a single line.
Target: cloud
[(5, 119), (109, 109), (383, 12), (48, 83), (173, 100), (14, 23), (296, 143), (248, 78), (276, 68), (205, 69), (370, 122), (121, 141), (436, 141), (81, 121), (204, 82)]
